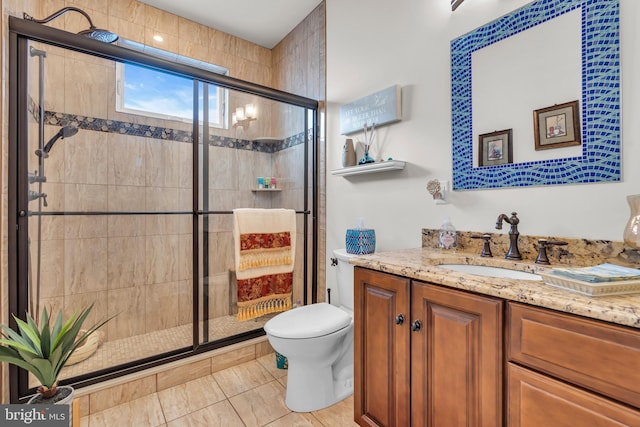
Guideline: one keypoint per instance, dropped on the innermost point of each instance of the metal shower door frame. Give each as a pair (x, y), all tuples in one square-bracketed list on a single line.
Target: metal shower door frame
[(20, 33)]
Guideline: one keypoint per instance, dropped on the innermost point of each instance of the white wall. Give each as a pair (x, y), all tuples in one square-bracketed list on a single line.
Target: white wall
[(374, 44)]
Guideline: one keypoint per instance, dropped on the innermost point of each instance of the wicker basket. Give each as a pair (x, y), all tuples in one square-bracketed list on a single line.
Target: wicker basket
[(87, 348)]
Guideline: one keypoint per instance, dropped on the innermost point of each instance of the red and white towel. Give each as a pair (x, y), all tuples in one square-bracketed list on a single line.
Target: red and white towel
[(265, 247)]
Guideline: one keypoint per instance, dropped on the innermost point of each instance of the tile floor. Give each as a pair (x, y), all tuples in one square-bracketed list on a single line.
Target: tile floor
[(123, 350), (250, 394)]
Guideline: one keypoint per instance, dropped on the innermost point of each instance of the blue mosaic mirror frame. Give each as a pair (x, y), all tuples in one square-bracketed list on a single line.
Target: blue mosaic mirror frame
[(600, 119)]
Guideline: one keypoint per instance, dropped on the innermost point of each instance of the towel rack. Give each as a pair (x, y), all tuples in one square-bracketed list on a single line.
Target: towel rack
[(77, 213)]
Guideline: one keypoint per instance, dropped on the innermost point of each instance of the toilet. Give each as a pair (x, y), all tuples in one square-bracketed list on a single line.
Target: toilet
[(317, 340)]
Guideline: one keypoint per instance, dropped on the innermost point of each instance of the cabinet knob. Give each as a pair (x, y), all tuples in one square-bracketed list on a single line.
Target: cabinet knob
[(416, 325), (400, 319)]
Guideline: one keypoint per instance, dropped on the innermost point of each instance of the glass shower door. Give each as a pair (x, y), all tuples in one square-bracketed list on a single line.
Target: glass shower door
[(257, 163), (132, 212), (110, 210)]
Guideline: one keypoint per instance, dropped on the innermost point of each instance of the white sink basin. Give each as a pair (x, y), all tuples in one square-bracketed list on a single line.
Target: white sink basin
[(483, 270)]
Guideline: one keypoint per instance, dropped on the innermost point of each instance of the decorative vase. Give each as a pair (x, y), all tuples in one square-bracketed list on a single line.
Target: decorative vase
[(632, 230), (63, 396), (348, 154), (366, 158)]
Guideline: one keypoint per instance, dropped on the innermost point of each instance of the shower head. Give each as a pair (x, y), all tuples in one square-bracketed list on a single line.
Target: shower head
[(65, 132), (104, 36), (93, 32)]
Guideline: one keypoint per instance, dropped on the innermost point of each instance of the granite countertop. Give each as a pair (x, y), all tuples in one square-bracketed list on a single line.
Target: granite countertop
[(422, 264)]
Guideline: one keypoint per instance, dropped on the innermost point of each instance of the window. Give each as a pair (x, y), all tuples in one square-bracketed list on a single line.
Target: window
[(148, 92)]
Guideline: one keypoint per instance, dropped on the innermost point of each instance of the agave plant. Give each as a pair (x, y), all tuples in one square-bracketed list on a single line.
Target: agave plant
[(44, 350)]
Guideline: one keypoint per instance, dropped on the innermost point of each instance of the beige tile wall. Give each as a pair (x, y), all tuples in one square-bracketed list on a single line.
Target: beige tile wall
[(15, 8), (147, 259), (132, 264), (298, 64)]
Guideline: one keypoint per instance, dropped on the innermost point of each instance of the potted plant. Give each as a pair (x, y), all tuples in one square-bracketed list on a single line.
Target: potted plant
[(44, 350)]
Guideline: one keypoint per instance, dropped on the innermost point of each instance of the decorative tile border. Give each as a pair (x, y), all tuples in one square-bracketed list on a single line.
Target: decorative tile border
[(168, 134), (600, 99), (115, 126)]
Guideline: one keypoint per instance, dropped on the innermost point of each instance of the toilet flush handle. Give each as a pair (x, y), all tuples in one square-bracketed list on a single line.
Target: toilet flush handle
[(334, 261)]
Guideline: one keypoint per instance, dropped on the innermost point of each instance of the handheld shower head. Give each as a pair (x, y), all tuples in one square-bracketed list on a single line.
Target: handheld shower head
[(93, 32), (68, 131), (65, 132)]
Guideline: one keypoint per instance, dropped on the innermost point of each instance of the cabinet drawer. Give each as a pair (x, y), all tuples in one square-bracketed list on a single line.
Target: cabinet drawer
[(535, 400), (598, 356)]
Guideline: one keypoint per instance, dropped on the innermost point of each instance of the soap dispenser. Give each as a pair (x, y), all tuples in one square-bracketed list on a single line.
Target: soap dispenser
[(448, 237)]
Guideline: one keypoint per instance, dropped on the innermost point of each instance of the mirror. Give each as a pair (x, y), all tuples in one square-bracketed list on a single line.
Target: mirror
[(583, 38)]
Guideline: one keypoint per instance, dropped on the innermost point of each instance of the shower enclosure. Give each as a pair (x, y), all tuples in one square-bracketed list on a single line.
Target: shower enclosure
[(131, 210)]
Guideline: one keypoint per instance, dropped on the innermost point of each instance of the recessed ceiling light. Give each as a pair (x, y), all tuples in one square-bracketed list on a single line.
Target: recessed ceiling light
[(158, 38)]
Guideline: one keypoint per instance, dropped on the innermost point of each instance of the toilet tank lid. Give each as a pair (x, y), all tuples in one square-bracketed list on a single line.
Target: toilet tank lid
[(342, 255), (308, 321)]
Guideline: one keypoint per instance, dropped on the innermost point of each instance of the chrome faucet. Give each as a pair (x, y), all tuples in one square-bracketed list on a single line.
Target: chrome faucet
[(513, 252)]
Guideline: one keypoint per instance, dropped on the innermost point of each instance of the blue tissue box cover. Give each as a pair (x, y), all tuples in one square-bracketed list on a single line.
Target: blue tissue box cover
[(361, 241)]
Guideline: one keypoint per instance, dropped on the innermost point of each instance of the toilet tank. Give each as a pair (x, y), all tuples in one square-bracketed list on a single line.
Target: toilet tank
[(344, 278)]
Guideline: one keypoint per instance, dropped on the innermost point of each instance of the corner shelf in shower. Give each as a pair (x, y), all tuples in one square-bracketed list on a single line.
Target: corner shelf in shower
[(387, 165), (268, 139)]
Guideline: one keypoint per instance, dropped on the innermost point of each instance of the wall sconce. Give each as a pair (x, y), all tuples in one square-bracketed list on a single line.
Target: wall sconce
[(244, 115)]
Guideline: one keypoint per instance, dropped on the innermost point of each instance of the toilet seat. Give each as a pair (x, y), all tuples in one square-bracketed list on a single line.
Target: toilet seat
[(308, 321)]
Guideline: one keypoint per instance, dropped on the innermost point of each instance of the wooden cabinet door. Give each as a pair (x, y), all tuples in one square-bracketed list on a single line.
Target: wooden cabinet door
[(381, 349), (536, 400), (456, 358)]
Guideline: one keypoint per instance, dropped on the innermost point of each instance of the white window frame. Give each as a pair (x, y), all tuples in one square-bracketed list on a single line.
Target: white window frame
[(222, 94)]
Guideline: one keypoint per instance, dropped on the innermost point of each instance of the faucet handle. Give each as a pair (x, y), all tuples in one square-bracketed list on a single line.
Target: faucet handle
[(543, 244), (486, 248)]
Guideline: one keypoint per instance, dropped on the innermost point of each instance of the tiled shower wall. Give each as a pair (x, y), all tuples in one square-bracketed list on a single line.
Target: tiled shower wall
[(13, 7), (134, 264), (298, 66)]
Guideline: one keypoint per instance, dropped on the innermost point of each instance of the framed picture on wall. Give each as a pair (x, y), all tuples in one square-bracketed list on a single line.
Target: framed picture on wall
[(557, 126), (495, 148)]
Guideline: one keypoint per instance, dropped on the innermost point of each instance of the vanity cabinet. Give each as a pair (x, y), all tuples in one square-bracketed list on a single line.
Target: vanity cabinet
[(381, 349), (564, 370), (425, 355)]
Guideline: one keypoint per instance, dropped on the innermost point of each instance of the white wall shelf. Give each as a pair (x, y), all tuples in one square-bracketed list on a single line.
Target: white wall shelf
[(387, 165), (265, 190)]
